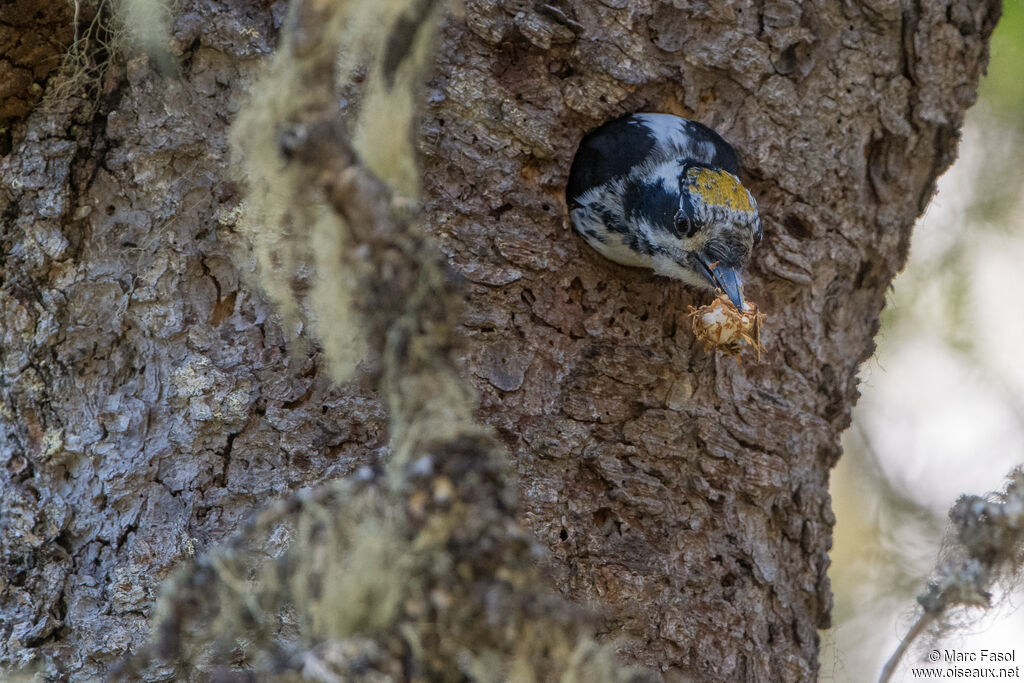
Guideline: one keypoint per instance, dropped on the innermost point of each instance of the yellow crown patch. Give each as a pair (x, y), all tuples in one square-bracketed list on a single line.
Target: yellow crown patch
[(720, 188)]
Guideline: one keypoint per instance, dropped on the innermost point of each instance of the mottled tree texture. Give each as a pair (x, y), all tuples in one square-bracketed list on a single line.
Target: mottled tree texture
[(33, 39), (421, 572), (151, 399)]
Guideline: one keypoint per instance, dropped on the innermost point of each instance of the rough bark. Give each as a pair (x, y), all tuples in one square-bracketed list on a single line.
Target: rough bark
[(150, 401), (421, 572), (33, 39)]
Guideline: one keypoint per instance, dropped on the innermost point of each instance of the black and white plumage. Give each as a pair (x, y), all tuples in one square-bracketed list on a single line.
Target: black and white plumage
[(662, 192)]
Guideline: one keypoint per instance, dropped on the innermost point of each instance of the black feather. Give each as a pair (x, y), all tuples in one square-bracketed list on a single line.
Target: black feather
[(608, 152), (724, 157), (617, 147), (651, 202)]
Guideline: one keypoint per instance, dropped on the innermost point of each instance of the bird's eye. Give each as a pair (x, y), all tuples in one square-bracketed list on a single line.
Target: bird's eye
[(685, 225)]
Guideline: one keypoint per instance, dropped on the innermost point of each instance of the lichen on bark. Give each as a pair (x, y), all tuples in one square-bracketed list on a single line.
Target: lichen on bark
[(421, 573), (150, 400)]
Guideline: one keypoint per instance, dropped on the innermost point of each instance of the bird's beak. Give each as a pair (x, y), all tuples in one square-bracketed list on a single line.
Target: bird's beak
[(724, 278)]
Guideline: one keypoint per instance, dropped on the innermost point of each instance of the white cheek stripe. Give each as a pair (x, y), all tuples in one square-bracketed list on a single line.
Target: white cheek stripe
[(666, 171)]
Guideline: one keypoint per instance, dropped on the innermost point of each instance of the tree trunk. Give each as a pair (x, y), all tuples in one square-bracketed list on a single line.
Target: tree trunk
[(150, 400)]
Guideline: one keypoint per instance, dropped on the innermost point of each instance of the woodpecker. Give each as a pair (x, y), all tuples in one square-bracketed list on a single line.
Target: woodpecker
[(662, 192)]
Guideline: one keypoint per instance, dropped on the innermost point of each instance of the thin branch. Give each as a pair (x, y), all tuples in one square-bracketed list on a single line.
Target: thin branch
[(919, 627)]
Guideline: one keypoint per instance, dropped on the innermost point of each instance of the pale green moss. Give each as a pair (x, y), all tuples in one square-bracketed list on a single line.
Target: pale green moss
[(146, 26), (297, 240)]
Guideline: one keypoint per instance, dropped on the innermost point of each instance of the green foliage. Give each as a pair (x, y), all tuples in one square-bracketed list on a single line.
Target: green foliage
[(1003, 89)]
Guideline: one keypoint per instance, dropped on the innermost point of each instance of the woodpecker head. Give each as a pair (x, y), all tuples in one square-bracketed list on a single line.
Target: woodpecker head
[(662, 192), (718, 224)]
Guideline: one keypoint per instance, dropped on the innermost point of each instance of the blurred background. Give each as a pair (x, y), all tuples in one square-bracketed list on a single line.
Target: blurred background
[(942, 406)]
